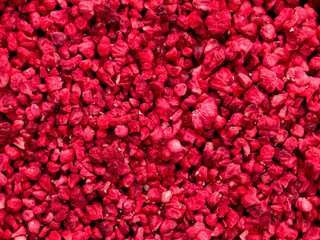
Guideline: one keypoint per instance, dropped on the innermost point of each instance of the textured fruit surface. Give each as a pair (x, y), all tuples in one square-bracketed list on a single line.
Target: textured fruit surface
[(159, 119)]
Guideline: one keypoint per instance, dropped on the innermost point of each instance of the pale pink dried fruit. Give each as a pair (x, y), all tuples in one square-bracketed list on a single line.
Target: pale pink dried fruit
[(304, 205), (297, 130), (204, 5), (34, 226), (166, 196), (2, 200), (174, 146)]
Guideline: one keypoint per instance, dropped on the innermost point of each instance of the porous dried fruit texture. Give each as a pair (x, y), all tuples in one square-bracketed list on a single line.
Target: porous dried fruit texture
[(159, 119)]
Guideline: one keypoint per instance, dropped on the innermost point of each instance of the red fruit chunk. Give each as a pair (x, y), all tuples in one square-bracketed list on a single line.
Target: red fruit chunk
[(180, 89), (87, 49), (14, 204), (211, 220), (159, 119), (245, 80), (88, 133), (167, 225), (214, 54), (54, 235), (222, 80), (195, 229), (194, 20), (103, 47), (3, 179), (4, 162), (313, 233), (86, 9), (315, 63), (54, 83), (155, 222), (75, 117), (232, 218), (33, 112), (205, 114), (5, 67), (253, 95), (154, 195), (268, 126), (95, 211), (249, 200), (121, 131), (218, 22), (67, 156), (268, 32), (267, 80), (119, 49)]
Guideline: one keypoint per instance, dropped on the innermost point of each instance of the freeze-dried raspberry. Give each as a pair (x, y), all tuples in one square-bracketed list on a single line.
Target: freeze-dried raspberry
[(159, 119)]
